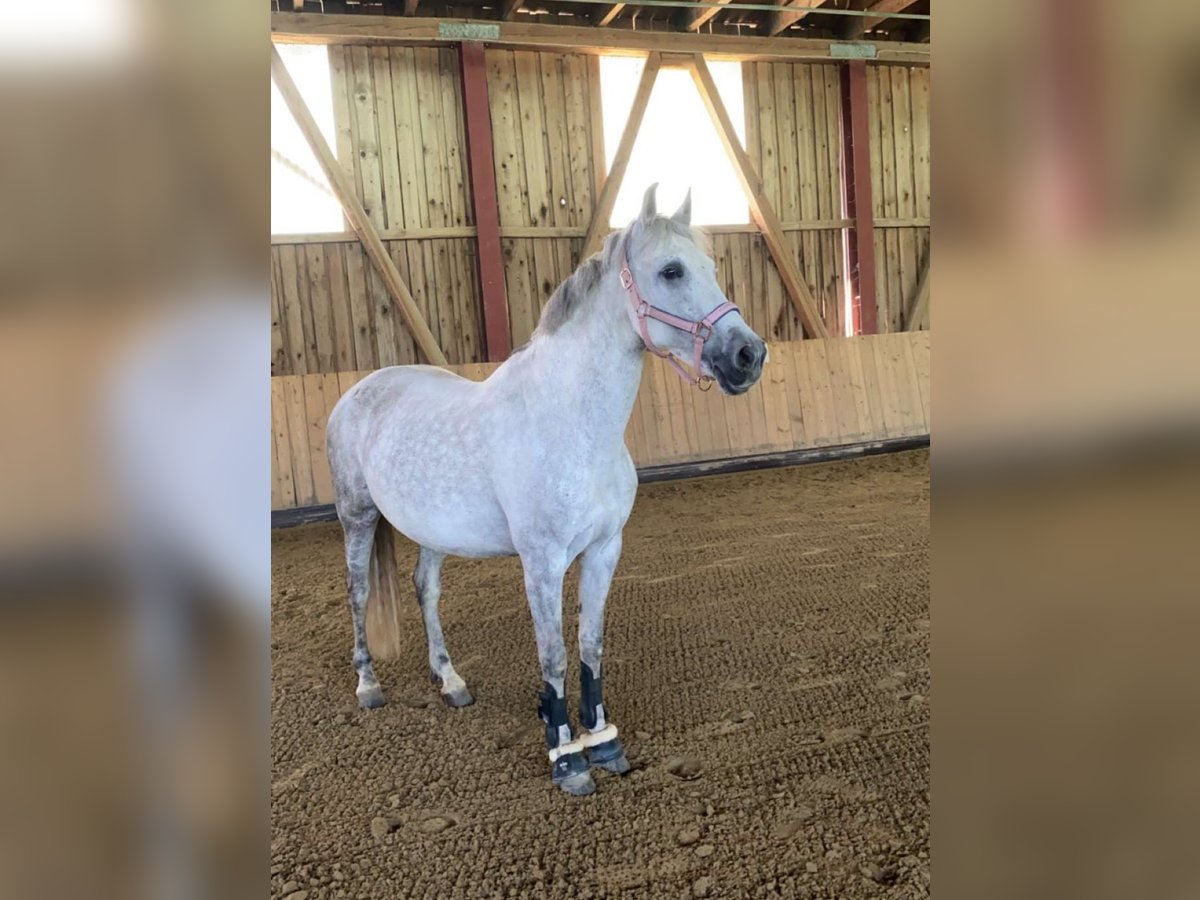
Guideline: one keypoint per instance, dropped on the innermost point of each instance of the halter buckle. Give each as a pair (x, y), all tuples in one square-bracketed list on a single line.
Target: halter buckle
[(705, 383), (703, 331), (643, 310), (626, 278)]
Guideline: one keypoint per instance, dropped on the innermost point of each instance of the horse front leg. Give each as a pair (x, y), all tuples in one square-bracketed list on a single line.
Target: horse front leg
[(597, 565), (543, 584)]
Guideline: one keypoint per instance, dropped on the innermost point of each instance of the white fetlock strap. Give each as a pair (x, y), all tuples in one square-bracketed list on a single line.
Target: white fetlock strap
[(581, 743)]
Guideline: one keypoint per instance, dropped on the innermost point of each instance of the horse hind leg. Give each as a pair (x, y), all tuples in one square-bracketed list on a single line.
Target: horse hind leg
[(359, 529), (427, 578)]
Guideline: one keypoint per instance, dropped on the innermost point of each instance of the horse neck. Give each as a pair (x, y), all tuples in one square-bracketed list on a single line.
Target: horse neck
[(594, 361)]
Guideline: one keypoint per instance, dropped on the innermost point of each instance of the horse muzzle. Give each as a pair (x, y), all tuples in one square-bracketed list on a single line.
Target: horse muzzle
[(739, 364)]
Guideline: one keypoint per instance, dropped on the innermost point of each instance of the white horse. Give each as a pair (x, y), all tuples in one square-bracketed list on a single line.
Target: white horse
[(533, 462)]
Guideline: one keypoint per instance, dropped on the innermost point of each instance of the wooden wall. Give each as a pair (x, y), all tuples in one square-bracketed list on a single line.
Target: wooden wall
[(400, 137), (399, 126), (898, 107), (548, 158), (813, 394), (794, 138)]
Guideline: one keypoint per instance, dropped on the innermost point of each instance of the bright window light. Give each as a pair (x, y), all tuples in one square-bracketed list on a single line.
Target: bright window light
[(677, 145), (301, 200)]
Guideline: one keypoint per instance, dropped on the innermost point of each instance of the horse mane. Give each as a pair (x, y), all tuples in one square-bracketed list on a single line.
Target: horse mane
[(580, 284)]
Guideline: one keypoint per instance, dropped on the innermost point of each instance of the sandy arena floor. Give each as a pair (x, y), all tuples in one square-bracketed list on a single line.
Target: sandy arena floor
[(767, 640)]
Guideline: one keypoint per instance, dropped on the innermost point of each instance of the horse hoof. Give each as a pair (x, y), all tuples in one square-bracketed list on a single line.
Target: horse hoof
[(609, 756), (578, 785), (570, 773), (618, 766), (458, 699), (370, 698)]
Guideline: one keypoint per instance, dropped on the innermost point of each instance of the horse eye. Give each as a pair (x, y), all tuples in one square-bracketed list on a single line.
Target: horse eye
[(672, 272)]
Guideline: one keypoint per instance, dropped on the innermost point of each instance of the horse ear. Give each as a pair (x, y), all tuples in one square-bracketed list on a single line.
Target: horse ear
[(684, 213), (649, 204)]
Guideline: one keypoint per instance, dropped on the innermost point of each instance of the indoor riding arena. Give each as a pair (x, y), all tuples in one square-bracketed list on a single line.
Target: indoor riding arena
[(437, 172)]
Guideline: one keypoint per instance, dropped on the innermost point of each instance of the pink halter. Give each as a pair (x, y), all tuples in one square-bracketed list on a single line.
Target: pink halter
[(701, 331)]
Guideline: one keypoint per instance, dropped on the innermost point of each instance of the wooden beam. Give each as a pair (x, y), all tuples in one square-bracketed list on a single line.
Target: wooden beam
[(307, 28), (612, 184), (856, 187), (477, 118), (606, 16), (791, 12), (354, 212), (760, 207), (693, 18), (918, 310), (508, 11), (859, 25)]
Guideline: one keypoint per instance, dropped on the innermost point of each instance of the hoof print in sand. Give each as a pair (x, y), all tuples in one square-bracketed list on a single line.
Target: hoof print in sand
[(384, 825), (791, 822), (512, 738), (436, 822), (843, 735), (685, 768)]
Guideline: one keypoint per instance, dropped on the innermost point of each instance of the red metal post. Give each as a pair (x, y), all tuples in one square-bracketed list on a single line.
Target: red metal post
[(478, 120), (856, 187)]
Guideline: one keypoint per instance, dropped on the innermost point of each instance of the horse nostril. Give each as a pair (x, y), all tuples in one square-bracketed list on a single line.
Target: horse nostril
[(746, 357)]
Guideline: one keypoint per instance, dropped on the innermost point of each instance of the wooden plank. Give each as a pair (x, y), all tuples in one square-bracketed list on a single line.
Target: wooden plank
[(789, 354), (339, 308), (434, 157), (362, 314), (324, 28), (916, 389), (599, 226), (279, 359), (293, 316), (894, 418), (791, 12), (282, 445), (532, 129), (919, 90), (393, 125), (795, 166), (920, 344), (907, 259), (313, 389), (762, 210), (341, 87), (596, 130), (608, 15), (366, 139), (506, 144), (887, 164), (775, 401), (862, 189), (845, 407), (297, 429), (452, 113), (908, 401), (918, 310), (859, 25), (851, 348), (750, 107), (826, 430), (555, 127), (359, 219), (694, 19), (765, 92), (322, 311), (485, 205), (577, 101)]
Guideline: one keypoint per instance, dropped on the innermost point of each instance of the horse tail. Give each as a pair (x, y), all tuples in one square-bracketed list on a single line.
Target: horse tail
[(383, 603)]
